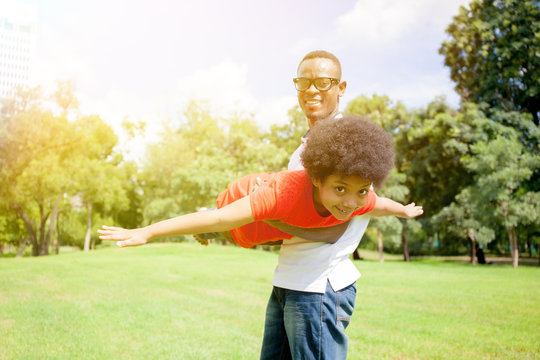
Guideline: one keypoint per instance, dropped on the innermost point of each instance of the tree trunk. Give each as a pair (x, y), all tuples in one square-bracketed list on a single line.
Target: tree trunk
[(55, 247), (514, 250), (470, 234), (43, 244), (29, 229), (356, 255), (1, 248), (20, 247), (529, 247), (379, 238), (512, 237), (52, 223), (405, 243), (56, 238), (88, 227)]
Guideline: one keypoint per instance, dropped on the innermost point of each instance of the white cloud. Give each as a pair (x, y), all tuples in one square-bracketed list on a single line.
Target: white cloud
[(223, 86), (58, 62), (387, 21), (19, 12), (274, 111), (391, 47), (224, 89), (420, 92), (119, 105)]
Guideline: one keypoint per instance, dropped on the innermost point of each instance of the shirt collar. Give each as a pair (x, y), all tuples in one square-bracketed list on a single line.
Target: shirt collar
[(304, 137)]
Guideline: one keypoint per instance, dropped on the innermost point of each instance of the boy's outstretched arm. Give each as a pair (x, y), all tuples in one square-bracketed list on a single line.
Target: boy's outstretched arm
[(228, 217), (388, 207)]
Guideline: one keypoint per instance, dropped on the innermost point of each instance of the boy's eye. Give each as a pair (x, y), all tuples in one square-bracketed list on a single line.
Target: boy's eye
[(363, 192), (340, 189)]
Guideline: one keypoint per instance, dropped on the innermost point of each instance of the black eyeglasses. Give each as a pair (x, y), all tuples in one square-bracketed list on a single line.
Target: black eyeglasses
[(321, 84)]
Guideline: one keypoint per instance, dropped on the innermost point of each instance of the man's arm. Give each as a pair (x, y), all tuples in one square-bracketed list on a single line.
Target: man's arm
[(329, 234)]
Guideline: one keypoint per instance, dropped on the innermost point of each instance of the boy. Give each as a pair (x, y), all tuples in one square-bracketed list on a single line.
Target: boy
[(342, 158)]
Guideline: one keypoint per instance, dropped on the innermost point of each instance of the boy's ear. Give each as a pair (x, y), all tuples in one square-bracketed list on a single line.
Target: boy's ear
[(316, 182)]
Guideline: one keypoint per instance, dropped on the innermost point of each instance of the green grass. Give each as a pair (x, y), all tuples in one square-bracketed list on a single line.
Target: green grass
[(184, 301)]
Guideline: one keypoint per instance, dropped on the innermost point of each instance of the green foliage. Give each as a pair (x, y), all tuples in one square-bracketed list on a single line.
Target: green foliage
[(190, 166), (395, 119), (461, 165), (492, 54), (287, 137), (381, 110), (467, 218), (11, 229), (48, 159), (502, 167)]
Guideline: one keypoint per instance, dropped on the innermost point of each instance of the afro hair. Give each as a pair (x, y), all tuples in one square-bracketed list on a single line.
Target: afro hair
[(352, 145)]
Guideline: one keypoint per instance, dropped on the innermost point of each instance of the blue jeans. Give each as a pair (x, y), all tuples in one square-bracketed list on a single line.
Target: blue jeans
[(303, 325)]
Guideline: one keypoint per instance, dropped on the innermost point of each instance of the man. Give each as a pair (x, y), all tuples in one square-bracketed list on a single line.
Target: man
[(314, 282)]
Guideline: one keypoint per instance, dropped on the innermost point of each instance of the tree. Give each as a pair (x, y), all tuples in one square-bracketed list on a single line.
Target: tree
[(391, 227), (46, 159), (287, 137), (99, 182), (34, 145), (492, 54), (65, 97), (193, 163), (395, 119), (502, 166), (467, 217), (12, 232)]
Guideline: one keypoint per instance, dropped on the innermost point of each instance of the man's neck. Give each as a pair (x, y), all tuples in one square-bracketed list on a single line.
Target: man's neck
[(312, 122)]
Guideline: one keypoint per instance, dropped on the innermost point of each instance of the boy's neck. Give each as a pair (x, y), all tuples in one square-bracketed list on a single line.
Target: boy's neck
[(319, 207)]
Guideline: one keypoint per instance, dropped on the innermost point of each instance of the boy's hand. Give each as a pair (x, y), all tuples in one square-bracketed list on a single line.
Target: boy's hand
[(411, 211), (124, 237)]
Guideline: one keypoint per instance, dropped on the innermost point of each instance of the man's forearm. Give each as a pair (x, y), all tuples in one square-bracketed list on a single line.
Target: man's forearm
[(329, 234)]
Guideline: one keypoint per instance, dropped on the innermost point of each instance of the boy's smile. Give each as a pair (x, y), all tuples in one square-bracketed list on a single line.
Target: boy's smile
[(340, 195)]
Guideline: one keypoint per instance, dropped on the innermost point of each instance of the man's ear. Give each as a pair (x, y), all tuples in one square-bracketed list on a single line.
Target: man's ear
[(341, 88)]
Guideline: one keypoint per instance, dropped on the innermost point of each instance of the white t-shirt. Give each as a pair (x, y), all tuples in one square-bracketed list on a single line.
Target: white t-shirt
[(307, 266)]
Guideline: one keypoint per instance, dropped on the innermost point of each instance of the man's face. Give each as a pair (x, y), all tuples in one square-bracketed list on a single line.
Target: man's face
[(317, 104)]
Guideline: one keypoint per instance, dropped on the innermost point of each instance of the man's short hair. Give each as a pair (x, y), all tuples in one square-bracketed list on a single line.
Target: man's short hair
[(350, 146), (317, 54)]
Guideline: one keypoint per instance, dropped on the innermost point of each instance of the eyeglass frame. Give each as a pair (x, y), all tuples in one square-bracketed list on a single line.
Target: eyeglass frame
[(333, 82)]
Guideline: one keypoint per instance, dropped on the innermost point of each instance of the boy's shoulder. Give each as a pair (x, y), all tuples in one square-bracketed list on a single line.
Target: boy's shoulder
[(291, 178), (290, 185), (285, 186)]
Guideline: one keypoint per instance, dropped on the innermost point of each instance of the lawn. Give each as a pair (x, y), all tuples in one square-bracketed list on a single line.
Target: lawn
[(185, 301)]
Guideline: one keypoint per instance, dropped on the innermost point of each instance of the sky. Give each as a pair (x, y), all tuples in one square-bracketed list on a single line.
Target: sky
[(144, 60)]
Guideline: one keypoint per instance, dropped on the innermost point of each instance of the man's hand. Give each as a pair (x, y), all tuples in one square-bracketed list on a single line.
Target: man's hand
[(124, 237)]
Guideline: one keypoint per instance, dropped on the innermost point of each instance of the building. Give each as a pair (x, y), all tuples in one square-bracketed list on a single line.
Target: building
[(18, 25)]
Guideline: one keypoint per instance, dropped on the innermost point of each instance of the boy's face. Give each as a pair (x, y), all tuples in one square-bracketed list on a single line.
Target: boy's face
[(317, 104), (340, 195)]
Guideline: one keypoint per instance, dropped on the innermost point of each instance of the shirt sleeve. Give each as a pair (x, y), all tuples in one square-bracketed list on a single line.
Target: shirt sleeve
[(264, 202)]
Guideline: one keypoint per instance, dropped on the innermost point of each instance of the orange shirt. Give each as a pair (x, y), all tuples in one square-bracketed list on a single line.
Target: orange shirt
[(286, 196)]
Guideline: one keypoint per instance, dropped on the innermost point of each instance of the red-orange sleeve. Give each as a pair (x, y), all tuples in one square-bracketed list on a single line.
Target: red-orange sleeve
[(264, 202)]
